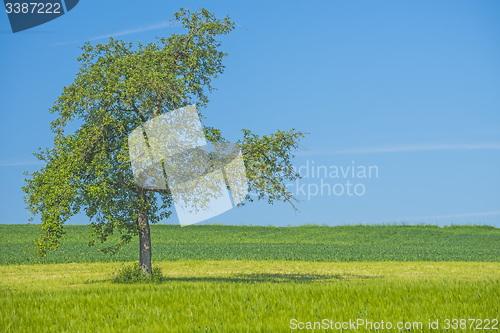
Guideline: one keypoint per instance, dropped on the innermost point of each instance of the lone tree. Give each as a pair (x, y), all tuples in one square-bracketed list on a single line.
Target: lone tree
[(118, 88)]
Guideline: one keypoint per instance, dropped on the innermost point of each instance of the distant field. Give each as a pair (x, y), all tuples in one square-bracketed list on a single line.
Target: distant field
[(247, 296), (257, 279), (305, 243)]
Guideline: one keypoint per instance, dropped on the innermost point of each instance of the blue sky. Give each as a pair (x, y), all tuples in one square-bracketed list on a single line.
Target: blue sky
[(411, 89)]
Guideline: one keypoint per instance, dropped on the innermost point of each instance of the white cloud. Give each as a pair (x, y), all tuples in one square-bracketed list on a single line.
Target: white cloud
[(449, 216), (150, 27), (409, 148), (19, 163), (134, 31)]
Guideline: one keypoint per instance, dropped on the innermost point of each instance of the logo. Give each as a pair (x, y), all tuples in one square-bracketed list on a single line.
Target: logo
[(28, 14), (170, 152)]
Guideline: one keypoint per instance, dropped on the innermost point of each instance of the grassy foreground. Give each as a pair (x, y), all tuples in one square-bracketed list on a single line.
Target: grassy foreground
[(259, 279), (246, 296), (305, 243)]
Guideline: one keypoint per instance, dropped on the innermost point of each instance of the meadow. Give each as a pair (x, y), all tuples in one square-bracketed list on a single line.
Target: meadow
[(456, 277), (304, 243)]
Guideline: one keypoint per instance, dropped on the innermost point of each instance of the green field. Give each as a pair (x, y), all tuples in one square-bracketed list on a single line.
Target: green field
[(398, 274), (305, 243)]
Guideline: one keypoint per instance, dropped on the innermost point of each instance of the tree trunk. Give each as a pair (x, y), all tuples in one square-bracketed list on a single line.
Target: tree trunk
[(144, 242)]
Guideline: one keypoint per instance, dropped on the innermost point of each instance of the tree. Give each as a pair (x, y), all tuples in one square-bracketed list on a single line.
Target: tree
[(119, 87)]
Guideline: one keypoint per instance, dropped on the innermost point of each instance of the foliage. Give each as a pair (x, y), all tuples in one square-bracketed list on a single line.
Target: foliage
[(268, 162), (133, 274), (308, 243), (243, 296)]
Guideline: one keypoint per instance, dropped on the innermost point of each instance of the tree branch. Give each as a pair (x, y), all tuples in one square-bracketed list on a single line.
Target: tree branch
[(138, 112)]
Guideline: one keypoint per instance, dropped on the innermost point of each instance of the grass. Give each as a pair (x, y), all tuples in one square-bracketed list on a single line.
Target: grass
[(134, 274), (254, 279), (305, 243), (243, 296)]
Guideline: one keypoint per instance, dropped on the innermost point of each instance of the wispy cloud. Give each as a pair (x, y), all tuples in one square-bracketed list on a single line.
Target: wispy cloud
[(19, 163), (449, 216), (134, 31), (409, 148), (150, 27)]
